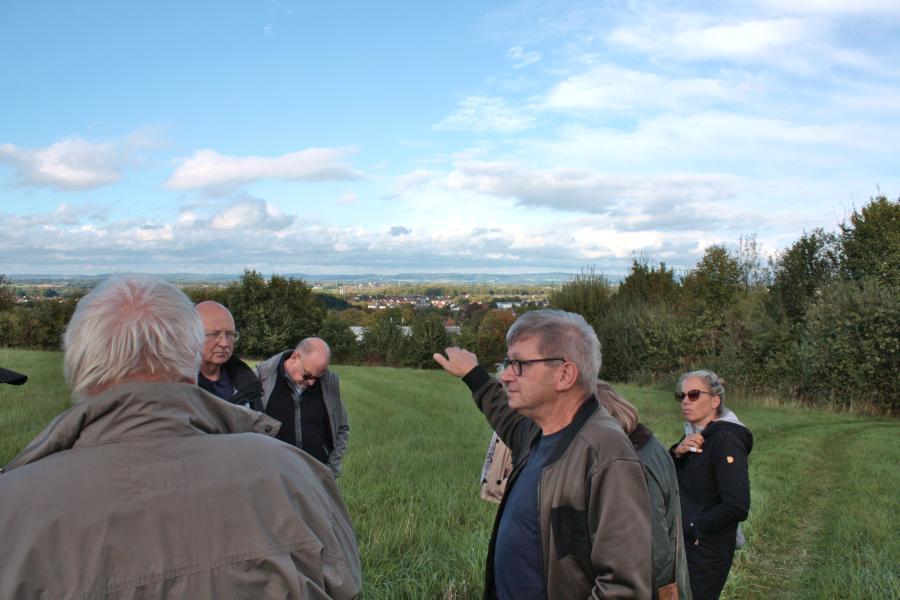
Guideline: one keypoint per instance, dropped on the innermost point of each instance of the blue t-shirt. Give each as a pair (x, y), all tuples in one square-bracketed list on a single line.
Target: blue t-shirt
[(518, 561)]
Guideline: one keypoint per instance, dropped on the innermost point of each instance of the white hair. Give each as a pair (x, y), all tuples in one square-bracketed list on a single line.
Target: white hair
[(131, 328)]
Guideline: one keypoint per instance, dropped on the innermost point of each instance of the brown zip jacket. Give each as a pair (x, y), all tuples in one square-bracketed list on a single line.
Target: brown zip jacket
[(162, 490), (593, 501)]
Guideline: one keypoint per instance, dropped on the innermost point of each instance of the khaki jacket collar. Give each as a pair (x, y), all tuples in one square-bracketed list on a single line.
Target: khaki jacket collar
[(141, 410)]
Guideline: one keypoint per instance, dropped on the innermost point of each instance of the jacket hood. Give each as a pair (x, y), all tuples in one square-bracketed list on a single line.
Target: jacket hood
[(738, 429), (131, 410)]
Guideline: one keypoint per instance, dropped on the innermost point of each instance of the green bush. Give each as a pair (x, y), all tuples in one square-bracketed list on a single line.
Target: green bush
[(849, 352)]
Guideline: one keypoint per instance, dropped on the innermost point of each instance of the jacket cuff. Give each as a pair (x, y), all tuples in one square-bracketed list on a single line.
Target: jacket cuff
[(476, 378)]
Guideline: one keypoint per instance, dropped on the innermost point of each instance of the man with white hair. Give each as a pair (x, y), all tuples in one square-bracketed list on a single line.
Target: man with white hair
[(574, 521), (150, 487)]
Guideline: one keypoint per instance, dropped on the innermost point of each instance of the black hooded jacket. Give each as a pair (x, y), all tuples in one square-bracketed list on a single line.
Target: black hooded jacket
[(715, 484), (248, 390)]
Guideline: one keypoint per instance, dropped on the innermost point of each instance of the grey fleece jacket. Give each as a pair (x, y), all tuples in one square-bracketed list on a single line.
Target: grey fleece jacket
[(268, 372)]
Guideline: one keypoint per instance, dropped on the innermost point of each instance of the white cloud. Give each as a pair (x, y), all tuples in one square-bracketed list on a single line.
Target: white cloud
[(75, 163), (689, 37), (250, 214), (610, 87), (833, 7), (483, 113), (522, 58), (210, 170), (70, 164), (567, 188)]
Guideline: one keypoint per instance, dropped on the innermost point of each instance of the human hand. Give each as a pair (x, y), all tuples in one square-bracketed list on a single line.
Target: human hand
[(690, 443), (459, 361)]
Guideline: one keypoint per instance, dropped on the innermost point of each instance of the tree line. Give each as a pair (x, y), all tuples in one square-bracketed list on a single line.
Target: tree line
[(819, 323)]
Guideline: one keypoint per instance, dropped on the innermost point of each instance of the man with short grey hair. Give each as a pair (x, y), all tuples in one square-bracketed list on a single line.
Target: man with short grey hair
[(301, 393), (574, 521), (148, 486)]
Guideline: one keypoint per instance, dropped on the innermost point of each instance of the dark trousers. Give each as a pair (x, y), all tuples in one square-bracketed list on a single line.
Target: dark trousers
[(709, 563)]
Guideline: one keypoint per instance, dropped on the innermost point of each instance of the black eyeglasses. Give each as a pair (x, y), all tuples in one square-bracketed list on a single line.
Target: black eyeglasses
[(517, 364), (692, 395)]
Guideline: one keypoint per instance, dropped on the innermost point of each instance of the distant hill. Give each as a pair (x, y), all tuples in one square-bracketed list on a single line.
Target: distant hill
[(198, 278)]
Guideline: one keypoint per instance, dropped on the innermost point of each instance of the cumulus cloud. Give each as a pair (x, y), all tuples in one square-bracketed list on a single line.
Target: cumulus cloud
[(244, 214), (484, 113), (566, 188), (521, 57), (75, 163), (209, 170), (70, 164)]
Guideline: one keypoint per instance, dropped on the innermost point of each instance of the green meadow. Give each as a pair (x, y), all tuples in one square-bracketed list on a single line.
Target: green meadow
[(823, 523)]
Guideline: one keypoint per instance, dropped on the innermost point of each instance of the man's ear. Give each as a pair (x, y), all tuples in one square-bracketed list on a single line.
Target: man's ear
[(566, 377)]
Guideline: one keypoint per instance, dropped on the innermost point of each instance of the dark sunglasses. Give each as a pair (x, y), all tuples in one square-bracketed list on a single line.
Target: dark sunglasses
[(692, 395)]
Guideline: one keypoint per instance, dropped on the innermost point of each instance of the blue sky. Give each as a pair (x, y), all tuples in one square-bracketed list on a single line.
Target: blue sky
[(363, 137)]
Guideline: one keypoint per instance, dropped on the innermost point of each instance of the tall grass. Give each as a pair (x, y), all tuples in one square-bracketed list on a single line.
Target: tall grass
[(824, 485)]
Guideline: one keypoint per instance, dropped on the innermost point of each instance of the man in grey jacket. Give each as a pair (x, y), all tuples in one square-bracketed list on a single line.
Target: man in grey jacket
[(574, 521), (150, 487), (301, 393)]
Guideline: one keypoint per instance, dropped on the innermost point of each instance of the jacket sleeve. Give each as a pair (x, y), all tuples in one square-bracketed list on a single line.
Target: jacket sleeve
[(342, 427), (733, 482), (663, 553), (619, 509), (513, 429)]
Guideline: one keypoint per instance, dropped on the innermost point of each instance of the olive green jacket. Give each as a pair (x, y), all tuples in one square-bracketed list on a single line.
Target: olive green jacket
[(162, 490)]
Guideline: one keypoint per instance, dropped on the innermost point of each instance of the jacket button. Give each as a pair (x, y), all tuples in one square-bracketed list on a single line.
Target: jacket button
[(268, 429)]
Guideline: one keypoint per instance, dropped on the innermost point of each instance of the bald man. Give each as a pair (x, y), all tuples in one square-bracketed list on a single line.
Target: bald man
[(300, 391), (220, 372)]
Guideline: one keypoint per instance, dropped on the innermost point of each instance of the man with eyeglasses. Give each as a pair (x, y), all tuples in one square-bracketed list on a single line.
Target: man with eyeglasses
[(221, 373), (300, 391), (574, 521)]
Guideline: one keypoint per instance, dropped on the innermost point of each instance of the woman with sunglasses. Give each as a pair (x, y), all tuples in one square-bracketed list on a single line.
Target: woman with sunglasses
[(711, 462)]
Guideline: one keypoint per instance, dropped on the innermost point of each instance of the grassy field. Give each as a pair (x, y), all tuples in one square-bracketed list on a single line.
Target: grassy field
[(823, 522)]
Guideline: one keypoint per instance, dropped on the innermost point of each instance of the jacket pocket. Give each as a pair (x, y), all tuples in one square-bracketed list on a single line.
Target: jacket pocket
[(571, 536)]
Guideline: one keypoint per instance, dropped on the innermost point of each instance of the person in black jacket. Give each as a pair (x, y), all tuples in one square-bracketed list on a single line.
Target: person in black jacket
[(711, 462), (220, 372)]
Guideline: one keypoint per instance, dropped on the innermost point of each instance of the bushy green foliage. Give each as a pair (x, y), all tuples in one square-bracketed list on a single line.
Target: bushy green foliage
[(871, 242), (39, 325), (385, 343), (428, 336), (648, 285), (802, 270), (821, 326), (341, 340), (7, 295), (851, 344), (588, 294), (490, 338), (641, 341)]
